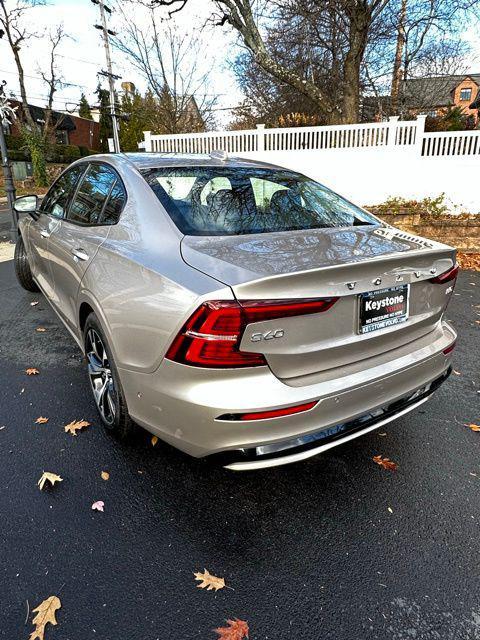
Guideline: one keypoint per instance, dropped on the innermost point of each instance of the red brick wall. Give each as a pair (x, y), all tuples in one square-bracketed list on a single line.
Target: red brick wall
[(86, 133)]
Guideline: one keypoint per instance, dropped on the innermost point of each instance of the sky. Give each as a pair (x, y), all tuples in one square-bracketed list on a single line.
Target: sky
[(82, 54)]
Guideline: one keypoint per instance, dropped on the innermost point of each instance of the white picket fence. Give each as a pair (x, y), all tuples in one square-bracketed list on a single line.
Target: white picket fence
[(367, 162), (392, 134)]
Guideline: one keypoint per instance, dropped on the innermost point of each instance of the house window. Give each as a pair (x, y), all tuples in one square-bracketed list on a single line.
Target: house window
[(61, 137), (465, 94)]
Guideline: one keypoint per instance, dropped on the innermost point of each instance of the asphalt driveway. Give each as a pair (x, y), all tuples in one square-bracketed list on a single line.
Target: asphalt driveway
[(335, 547)]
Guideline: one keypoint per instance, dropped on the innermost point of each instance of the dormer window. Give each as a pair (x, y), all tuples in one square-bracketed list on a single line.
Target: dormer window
[(465, 94)]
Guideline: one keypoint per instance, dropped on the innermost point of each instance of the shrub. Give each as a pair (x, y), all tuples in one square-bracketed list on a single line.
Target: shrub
[(14, 143), (428, 206)]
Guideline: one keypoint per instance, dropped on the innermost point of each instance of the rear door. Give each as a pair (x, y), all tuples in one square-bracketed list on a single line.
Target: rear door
[(40, 232), (95, 206)]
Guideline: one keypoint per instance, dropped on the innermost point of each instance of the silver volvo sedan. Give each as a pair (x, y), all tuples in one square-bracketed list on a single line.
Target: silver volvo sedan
[(236, 309)]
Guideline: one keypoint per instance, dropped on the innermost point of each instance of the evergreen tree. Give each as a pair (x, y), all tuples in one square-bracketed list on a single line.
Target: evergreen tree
[(84, 108), (105, 122)]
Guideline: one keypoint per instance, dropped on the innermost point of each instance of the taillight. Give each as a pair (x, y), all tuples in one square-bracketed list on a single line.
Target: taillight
[(450, 348), (447, 276), (212, 335)]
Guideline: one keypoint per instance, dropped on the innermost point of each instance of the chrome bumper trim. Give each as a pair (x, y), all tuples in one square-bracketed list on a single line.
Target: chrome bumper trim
[(303, 455)]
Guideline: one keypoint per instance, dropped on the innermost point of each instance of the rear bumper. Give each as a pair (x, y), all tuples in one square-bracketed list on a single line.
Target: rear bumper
[(182, 404), (299, 449)]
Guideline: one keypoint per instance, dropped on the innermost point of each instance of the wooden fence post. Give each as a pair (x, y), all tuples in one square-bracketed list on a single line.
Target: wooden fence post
[(260, 137), (147, 141)]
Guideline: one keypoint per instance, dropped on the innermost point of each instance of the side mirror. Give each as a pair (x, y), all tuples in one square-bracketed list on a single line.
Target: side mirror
[(27, 204)]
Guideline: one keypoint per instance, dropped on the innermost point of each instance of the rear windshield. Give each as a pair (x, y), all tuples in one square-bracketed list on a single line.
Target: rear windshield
[(218, 201)]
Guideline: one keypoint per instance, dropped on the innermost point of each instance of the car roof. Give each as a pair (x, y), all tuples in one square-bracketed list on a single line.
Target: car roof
[(157, 160)]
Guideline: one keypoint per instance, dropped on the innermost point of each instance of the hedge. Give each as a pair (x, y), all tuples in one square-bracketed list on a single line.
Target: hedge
[(60, 153)]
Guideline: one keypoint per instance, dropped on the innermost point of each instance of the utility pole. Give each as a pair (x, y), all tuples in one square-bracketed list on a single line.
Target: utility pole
[(109, 73), (5, 112)]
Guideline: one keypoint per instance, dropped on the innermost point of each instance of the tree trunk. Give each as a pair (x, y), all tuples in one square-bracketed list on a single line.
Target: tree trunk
[(397, 65), (360, 20)]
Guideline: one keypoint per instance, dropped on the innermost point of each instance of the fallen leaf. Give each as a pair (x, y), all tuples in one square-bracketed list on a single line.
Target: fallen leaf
[(45, 614), (98, 506), (32, 371), (236, 630), (457, 373), (41, 420), (40, 329), (477, 321), (51, 477), (382, 434), (386, 463), (208, 581), (75, 426), (34, 303), (105, 475), (154, 440), (473, 427)]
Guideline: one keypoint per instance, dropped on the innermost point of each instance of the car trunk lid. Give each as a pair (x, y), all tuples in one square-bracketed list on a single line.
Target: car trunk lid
[(343, 263)]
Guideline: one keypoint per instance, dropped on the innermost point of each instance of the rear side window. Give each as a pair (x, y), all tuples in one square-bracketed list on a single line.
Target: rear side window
[(56, 201), (99, 198), (114, 204)]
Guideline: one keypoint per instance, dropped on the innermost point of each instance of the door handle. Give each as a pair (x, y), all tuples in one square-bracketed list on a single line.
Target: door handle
[(80, 254), (44, 233)]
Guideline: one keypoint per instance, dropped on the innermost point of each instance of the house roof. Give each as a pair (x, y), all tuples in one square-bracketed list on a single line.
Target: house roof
[(433, 92), (65, 122)]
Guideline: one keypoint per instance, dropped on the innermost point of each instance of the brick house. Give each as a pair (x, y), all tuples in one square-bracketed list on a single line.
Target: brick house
[(433, 96), (430, 96), (71, 129)]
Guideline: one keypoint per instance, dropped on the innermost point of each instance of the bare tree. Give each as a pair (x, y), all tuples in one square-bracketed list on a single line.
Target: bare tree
[(342, 26), (171, 62), (37, 135)]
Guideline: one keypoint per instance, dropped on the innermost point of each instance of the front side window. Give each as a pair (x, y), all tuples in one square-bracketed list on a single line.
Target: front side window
[(91, 196), (56, 201), (465, 94), (207, 201)]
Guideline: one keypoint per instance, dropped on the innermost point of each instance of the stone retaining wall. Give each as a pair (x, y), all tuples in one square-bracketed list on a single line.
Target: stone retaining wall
[(462, 232)]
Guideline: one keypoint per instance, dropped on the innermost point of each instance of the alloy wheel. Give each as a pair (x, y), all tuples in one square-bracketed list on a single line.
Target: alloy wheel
[(100, 374)]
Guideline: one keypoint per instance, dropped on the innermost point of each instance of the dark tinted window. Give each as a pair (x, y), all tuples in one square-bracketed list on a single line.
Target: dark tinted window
[(238, 200), (114, 204), (56, 201), (92, 194)]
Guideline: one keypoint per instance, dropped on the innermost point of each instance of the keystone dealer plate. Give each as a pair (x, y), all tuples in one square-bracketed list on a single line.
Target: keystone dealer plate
[(383, 308)]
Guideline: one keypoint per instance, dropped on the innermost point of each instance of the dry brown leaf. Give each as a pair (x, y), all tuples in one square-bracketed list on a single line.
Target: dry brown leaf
[(236, 630), (32, 371), (40, 329), (386, 463), (154, 440), (208, 581), (41, 420), (75, 426), (473, 427), (469, 261), (51, 477), (45, 614), (105, 475)]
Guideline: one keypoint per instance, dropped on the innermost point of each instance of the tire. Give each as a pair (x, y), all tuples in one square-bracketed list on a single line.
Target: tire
[(22, 268), (103, 375)]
